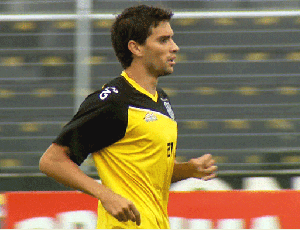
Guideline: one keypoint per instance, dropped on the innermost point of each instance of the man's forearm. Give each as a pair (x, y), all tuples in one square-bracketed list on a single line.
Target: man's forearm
[(181, 171), (202, 167), (56, 165)]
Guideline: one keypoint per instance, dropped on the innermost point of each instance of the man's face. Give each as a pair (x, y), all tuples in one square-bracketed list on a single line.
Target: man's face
[(160, 50)]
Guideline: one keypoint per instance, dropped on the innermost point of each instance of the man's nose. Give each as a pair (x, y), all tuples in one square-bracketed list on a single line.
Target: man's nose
[(175, 47)]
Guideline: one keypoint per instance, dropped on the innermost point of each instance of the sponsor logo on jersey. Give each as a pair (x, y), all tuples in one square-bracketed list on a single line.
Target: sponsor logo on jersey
[(150, 117), (107, 91)]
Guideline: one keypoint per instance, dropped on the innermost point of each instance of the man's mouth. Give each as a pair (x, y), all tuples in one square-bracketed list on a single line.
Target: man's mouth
[(172, 60)]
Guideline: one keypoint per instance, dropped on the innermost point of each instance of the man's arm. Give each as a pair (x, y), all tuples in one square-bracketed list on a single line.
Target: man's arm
[(202, 167), (56, 164)]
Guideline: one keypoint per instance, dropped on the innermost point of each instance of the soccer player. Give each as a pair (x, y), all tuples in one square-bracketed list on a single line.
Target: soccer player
[(129, 128)]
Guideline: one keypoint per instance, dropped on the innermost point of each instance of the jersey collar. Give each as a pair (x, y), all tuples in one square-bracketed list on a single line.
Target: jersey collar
[(138, 87)]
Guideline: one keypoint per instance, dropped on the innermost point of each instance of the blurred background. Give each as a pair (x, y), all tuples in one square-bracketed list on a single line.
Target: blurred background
[(235, 89)]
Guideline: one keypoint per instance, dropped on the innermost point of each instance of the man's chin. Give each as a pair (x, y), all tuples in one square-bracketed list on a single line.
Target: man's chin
[(166, 72)]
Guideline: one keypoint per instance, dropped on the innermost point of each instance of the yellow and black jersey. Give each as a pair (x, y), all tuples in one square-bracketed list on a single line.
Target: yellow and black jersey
[(132, 136)]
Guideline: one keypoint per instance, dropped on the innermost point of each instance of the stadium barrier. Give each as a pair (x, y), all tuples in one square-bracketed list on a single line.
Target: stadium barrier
[(188, 210)]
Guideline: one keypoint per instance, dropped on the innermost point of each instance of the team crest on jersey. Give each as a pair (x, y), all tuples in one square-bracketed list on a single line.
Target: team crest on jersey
[(168, 108), (150, 117)]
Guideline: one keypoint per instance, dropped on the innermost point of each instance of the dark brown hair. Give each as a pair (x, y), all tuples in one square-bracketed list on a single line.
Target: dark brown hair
[(135, 23)]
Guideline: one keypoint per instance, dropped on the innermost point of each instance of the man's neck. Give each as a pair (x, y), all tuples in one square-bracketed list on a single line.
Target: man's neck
[(144, 79)]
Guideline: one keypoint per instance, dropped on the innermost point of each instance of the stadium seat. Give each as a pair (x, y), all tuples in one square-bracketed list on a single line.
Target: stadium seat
[(53, 61), (236, 124), (184, 22), (206, 90), (192, 124), (246, 90), (290, 159), (12, 61), (103, 23), (6, 93), (293, 56), (257, 56), (225, 21), (280, 124), (253, 159), (217, 57), (172, 92), (288, 90), (8, 162), (96, 60), (44, 92), (266, 21), (30, 127), (25, 26), (65, 25)]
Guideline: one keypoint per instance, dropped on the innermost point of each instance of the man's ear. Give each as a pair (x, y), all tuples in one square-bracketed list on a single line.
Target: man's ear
[(135, 48)]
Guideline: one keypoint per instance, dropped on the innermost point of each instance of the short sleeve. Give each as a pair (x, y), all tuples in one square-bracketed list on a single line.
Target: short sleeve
[(96, 125)]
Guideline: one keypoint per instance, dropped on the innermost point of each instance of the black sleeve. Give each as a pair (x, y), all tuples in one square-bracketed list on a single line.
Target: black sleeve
[(97, 125)]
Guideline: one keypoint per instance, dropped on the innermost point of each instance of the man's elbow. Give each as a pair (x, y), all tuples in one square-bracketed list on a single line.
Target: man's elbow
[(44, 164), (47, 163), (53, 157)]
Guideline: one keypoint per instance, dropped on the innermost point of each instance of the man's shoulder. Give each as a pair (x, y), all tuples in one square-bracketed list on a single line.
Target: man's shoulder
[(111, 93), (113, 90)]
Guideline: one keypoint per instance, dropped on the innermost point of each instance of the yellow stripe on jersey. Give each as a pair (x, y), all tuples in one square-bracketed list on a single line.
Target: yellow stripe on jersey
[(139, 88)]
